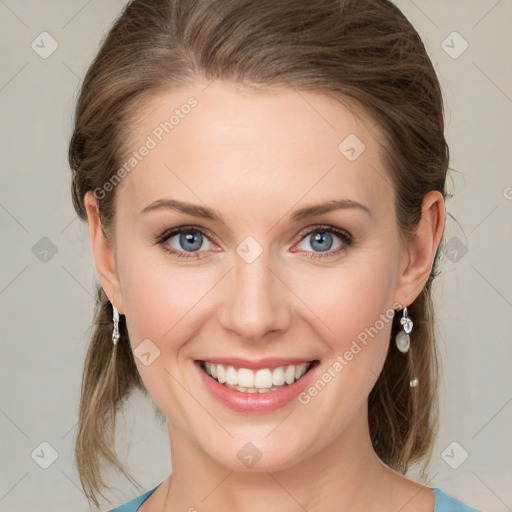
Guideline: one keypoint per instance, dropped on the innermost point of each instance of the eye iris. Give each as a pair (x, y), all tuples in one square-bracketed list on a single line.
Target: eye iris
[(189, 238), (322, 237)]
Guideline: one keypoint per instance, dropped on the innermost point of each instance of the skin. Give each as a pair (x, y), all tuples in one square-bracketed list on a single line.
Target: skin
[(254, 157)]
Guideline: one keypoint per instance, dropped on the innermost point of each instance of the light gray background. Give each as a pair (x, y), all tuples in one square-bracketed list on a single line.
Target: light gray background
[(46, 300)]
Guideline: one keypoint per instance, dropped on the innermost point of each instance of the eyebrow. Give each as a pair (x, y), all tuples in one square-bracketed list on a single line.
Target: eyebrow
[(301, 214)]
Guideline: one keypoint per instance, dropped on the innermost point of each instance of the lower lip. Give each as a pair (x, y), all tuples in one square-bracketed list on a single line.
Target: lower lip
[(256, 402)]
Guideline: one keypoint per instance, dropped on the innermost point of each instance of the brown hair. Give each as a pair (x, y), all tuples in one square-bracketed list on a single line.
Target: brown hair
[(363, 52)]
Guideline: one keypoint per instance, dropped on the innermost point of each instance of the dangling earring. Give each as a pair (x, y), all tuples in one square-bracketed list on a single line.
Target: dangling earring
[(115, 332), (403, 341)]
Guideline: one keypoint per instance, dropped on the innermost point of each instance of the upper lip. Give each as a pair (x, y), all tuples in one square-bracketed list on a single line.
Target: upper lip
[(268, 362)]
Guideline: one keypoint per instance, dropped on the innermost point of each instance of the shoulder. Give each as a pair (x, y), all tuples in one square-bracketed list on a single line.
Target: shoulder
[(447, 503), (133, 505)]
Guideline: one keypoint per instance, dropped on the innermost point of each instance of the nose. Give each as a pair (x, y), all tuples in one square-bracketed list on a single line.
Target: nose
[(254, 303)]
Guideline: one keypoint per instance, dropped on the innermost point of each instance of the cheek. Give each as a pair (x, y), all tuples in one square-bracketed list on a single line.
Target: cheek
[(351, 310), (155, 305), (350, 299), (355, 310), (158, 303), (163, 304), (157, 297)]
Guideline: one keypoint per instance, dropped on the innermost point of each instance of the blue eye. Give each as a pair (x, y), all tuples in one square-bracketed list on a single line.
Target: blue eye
[(321, 239), (190, 239)]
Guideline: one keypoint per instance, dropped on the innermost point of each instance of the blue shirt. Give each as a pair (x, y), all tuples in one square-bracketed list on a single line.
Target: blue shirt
[(444, 503)]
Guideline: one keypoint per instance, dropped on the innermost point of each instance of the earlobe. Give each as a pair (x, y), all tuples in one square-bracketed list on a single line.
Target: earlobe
[(421, 249), (103, 253)]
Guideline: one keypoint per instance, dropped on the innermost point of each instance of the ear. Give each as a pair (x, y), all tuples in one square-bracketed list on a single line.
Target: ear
[(103, 253), (421, 249)]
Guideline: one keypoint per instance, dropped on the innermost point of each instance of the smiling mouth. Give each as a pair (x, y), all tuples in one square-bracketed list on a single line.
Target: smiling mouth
[(262, 380)]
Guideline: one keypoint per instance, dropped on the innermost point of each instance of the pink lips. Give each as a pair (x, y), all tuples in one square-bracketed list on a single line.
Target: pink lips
[(256, 402)]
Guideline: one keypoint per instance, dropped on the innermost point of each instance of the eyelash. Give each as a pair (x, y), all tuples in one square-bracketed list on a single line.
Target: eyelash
[(345, 236)]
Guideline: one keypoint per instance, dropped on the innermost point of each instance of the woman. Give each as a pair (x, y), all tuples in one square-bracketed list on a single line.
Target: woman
[(264, 184)]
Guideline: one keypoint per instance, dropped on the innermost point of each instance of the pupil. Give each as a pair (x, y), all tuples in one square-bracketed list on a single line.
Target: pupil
[(189, 238), (322, 237)]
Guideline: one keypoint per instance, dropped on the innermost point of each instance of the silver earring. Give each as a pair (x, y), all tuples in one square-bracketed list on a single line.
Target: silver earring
[(402, 339), (115, 332), (403, 342)]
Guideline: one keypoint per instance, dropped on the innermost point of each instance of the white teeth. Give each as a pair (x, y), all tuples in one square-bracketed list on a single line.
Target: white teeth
[(231, 376), (289, 374), (245, 378), (278, 376), (300, 370), (259, 381), (221, 374), (263, 378)]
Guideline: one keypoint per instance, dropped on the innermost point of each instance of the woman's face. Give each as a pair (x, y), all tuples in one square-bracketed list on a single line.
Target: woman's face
[(258, 283)]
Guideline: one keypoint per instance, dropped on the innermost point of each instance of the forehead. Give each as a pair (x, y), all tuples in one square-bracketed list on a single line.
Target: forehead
[(231, 145)]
